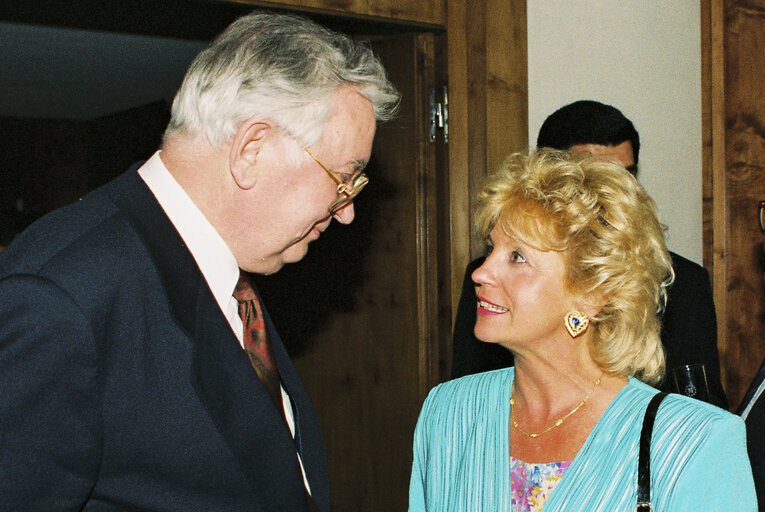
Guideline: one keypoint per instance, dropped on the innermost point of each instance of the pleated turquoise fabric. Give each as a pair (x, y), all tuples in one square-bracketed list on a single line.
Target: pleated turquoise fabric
[(462, 454)]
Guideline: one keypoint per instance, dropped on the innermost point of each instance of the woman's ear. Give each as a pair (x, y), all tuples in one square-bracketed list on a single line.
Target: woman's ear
[(593, 303), (245, 150)]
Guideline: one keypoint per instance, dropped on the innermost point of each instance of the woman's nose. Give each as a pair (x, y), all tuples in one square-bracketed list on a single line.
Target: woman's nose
[(482, 274)]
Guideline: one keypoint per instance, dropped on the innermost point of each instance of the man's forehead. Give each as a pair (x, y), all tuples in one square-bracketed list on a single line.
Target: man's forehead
[(622, 153), (350, 128)]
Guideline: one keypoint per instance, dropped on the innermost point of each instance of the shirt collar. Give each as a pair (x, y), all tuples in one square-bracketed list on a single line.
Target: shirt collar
[(215, 259)]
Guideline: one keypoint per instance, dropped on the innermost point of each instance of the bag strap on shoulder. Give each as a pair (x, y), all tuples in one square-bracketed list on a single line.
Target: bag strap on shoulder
[(644, 457)]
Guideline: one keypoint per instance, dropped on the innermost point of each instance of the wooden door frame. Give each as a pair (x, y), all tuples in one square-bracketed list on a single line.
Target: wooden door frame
[(714, 223)]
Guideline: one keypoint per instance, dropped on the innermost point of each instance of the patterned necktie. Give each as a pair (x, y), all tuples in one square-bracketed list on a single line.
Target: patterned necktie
[(258, 347), (256, 342)]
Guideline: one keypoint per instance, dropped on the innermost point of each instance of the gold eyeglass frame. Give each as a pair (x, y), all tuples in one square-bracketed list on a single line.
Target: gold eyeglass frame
[(346, 191)]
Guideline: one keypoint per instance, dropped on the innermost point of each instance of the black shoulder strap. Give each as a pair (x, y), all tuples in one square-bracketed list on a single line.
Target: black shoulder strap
[(644, 460)]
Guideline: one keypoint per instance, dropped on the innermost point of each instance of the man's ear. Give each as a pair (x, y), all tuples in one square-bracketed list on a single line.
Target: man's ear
[(245, 151)]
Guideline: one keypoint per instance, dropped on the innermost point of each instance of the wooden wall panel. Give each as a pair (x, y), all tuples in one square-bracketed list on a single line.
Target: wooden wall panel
[(488, 82), (745, 177), (735, 161), (459, 149), (507, 91)]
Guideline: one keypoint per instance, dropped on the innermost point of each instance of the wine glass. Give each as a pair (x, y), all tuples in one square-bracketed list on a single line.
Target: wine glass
[(691, 380)]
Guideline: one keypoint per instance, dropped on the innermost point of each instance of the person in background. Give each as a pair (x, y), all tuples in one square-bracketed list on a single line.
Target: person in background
[(139, 369), (572, 285), (752, 410), (689, 324)]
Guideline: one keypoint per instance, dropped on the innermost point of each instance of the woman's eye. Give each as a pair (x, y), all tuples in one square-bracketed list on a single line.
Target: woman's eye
[(489, 249), (516, 257)]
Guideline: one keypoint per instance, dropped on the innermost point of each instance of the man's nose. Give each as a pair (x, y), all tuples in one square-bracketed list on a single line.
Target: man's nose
[(346, 214)]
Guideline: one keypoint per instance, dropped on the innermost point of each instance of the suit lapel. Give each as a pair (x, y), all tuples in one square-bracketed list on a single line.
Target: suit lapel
[(222, 376), (758, 378), (308, 438), (244, 412)]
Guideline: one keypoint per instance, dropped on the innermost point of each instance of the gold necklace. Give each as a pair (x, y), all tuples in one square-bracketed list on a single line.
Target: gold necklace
[(559, 421)]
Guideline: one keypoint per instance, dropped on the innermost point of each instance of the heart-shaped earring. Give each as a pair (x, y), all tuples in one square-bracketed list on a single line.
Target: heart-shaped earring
[(576, 323)]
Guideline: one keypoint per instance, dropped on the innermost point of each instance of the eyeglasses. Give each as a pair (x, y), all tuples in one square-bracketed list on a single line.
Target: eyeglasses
[(346, 190)]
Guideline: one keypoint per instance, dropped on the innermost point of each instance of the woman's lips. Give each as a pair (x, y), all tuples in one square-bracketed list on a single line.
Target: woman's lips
[(489, 308)]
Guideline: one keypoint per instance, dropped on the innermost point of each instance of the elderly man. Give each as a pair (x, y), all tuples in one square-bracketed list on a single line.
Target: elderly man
[(689, 325), (138, 367)]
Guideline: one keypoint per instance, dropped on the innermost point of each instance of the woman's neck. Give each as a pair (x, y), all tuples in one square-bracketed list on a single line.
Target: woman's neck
[(548, 381)]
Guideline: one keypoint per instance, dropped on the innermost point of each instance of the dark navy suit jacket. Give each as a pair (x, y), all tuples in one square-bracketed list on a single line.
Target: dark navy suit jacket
[(755, 430), (122, 385), (689, 329)]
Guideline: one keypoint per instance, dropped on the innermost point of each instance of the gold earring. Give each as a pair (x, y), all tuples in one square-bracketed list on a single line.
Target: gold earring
[(576, 322)]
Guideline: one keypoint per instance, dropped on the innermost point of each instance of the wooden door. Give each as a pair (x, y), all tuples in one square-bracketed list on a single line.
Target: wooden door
[(423, 12), (734, 74), (359, 313)]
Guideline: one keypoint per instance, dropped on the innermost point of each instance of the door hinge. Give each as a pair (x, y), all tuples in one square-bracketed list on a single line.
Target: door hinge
[(439, 114)]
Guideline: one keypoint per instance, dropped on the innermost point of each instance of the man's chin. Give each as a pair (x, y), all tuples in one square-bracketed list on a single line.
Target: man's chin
[(274, 263), (294, 253)]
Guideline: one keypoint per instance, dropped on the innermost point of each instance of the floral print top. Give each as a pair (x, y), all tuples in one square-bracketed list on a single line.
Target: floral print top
[(532, 484)]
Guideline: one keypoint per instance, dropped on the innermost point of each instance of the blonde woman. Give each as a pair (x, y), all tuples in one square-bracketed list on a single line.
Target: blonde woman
[(573, 284)]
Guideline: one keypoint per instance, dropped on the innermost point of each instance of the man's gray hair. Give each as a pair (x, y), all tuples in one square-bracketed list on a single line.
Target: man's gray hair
[(281, 67)]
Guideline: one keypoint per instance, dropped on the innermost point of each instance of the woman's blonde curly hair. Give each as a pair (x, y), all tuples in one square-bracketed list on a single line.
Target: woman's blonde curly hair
[(607, 227)]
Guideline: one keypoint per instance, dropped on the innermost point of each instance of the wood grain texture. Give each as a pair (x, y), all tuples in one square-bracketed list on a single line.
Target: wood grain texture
[(423, 12), (507, 81), (459, 148), (488, 77), (745, 162), (736, 127)]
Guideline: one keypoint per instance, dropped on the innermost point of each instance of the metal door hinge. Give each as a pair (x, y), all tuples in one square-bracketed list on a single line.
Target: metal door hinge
[(439, 114)]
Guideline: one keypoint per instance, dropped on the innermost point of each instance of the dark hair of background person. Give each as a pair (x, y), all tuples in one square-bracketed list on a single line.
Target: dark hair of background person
[(587, 122)]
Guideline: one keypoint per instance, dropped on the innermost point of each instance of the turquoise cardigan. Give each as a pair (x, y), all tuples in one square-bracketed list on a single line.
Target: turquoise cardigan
[(462, 454)]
